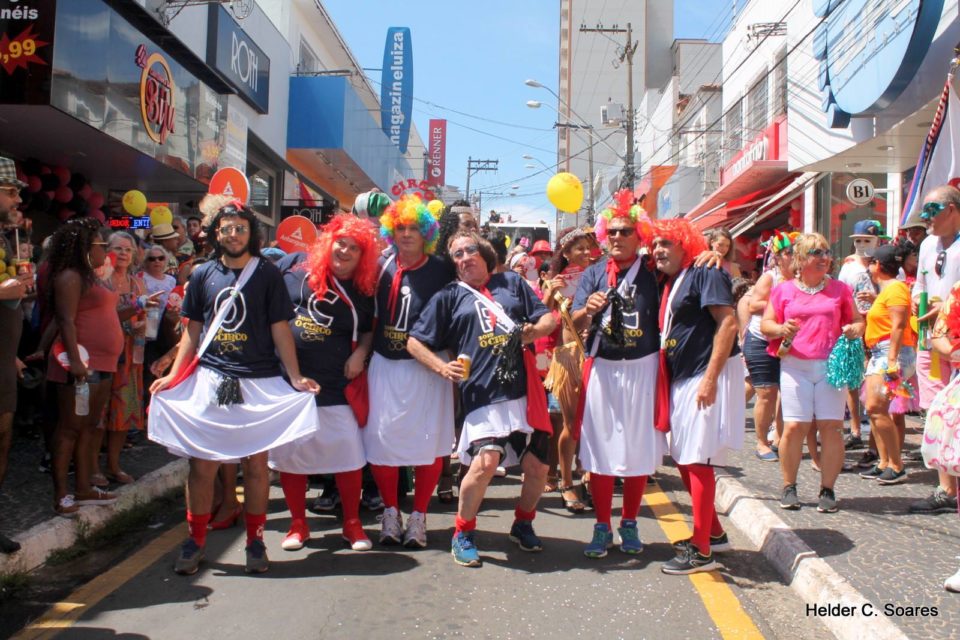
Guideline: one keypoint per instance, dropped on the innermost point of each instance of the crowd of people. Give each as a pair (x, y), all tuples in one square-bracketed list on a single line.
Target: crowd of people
[(403, 341)]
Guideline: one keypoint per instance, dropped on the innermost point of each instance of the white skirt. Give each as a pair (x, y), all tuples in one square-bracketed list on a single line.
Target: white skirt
[(704, 437), (411, 413), (618, 438), (333, 448), (497, 420), (188, 421)]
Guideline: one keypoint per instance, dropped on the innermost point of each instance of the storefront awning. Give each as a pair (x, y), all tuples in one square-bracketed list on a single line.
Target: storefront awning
[(777, 201), (758, 176), (732, 211)]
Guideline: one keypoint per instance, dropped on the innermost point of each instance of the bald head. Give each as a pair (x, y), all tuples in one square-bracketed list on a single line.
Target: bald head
[(944, 193)]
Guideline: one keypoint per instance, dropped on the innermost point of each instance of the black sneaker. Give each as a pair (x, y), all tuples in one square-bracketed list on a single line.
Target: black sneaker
[(872, 473), (913, 455), (326, 502), (257, 561), (370, 499), (689, 561), (851, 441), (828, 501), (717, 543), (937, 502), (790, 500), (868, 459), (889, 476)]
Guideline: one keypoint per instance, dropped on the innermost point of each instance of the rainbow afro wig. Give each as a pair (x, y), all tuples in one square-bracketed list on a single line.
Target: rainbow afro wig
[(410, 209), (681, 233), (624, 207)]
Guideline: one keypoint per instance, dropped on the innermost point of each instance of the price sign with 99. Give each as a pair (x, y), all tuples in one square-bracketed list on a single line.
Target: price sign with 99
[(20, 51)]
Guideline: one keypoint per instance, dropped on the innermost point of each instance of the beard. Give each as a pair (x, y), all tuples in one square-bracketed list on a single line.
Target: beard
[(239, 253)]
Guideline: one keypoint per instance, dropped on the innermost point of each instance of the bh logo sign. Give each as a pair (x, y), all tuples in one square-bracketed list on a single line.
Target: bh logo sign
[(869, 50)]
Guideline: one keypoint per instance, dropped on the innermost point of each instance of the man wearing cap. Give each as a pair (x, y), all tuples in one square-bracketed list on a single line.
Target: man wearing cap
[(938, 269), (12, 291)]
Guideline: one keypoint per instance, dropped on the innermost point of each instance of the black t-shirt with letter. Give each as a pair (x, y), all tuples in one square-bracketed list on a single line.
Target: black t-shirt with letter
[(639, 322), (323, 328), (455, 319), (243, 347), (418, 286), (690, 343)]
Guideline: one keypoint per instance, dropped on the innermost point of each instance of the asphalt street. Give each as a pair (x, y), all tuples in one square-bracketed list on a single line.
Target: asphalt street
[(328, 591)]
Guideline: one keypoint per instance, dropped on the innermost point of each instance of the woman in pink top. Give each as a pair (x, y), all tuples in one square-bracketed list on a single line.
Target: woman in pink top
[(810, 311), (86, 315)]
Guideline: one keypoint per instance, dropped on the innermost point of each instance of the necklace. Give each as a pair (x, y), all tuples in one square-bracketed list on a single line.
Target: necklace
[(810, 290)]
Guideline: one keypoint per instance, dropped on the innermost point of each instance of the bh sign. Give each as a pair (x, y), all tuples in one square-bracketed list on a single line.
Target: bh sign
[(237, 58)]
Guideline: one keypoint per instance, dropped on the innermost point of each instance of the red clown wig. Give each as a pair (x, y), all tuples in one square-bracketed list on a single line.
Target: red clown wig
[(318, 262), (624, 207), (682, 234)]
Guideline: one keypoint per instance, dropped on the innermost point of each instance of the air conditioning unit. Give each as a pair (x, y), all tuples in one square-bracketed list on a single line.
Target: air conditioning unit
[(611, 114)]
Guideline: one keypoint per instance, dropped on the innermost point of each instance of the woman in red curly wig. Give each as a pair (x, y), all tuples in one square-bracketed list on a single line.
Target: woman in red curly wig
[(332, 293), (698, 329)]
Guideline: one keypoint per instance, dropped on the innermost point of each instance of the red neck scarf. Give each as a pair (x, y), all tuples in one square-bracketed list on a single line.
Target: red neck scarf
[(665, 299), (613, 269), (397, 280)]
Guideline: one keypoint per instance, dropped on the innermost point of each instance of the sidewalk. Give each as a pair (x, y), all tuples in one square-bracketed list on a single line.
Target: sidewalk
[(873, 550), (26, 499)]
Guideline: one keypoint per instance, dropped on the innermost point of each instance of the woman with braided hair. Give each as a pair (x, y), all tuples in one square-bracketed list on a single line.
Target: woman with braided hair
[(86, 315)]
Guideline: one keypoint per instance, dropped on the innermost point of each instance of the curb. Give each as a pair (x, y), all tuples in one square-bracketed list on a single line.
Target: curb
[(811, 577), (58, 533)]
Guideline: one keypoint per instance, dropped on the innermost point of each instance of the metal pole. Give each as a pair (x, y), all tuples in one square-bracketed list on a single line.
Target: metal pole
[(469, 168), (628, 165), (592, 202)]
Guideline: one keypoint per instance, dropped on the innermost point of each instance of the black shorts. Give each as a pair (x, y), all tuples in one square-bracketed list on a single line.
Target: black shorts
[(536, 443)]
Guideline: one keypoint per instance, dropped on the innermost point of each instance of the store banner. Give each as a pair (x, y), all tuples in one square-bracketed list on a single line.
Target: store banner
[(939, 161), (437, 154), (26, 50), (396, 87), (237, 58)]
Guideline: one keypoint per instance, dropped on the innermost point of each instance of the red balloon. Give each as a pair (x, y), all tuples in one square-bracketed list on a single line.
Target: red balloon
[(63, 195), (95, 200), (85, 192), (63, 174), (64, 214), (44, 170), (97, 215), (34, 184)]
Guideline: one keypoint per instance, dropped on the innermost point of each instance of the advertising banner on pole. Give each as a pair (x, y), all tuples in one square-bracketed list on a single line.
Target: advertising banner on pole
[(396, 86), (438, 153)]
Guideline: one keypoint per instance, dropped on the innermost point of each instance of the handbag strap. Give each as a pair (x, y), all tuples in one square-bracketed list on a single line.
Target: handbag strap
[(668, 312), (353, 309), (383, 270), (496, 310), (227, 305)]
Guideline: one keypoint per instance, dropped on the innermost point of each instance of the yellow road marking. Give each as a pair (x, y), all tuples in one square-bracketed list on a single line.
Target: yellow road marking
[(717, 596), (64, 614)]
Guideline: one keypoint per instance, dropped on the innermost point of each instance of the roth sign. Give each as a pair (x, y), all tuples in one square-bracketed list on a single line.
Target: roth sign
[(237, 58), (438, 153), (396, 87), (769, 145)]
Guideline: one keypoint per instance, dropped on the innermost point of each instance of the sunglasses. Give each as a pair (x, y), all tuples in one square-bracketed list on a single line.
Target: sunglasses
[(932, 209), (820, 253), (233, 229), (625, 232), (13, 192), (941, 262), (155, 258), (469, 250)]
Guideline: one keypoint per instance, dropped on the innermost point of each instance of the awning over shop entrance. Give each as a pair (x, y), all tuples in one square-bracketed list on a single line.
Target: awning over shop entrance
[(732, 211)]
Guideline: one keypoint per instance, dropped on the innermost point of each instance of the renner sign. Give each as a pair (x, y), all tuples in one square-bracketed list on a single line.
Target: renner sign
[(438, 153), (237, 58)]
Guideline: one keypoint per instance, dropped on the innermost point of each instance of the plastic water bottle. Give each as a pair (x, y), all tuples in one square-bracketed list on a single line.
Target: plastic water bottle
[(153, 323), (139, 342), (82, 404)]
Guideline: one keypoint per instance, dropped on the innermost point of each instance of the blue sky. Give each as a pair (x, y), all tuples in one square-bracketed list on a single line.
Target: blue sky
[(473, 58)]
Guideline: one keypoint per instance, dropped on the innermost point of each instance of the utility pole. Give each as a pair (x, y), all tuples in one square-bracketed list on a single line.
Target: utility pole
[(626, 55), (476, 166), (590, 179)]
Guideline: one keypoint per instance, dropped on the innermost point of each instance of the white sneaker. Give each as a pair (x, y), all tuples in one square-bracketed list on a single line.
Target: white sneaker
[(391, 526), (953, 583), (415, 535)]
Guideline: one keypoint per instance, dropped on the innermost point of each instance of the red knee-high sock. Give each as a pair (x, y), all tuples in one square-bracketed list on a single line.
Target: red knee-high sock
[(520, 514), (715, 527), (255, 522), (685, 476), (601, 487), (466, 526), (633, 488), (295, 493), (197, 525), (425, 480), (349, 484), (388, 481), (703, 489)]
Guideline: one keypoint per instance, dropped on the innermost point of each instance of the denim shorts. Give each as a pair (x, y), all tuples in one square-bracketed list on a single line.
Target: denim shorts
[(764, 369), (878, 360)]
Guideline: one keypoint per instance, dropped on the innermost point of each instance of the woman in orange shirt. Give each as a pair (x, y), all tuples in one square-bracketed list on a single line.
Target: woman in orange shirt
[(893, 357)]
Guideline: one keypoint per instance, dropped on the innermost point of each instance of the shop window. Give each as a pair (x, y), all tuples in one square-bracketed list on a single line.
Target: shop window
[(779, 82), (836, 215), (732, 131), (309, 62), (264, 185), (757, 109)]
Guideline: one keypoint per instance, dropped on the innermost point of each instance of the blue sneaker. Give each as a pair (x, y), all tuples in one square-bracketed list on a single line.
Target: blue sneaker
[(629, 537), (464, 551), (602, 540), (522, 533)]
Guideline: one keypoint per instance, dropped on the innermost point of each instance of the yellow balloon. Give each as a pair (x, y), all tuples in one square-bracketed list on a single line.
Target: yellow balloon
[(435, 207), (565, 192), (135, 203), (506, 241), (160, 215)]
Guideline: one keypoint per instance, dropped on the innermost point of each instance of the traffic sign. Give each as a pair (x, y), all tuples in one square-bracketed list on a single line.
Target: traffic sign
[(230, 182)]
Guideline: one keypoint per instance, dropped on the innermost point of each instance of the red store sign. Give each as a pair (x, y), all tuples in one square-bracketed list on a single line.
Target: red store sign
[(769, 145), (438, 153)]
